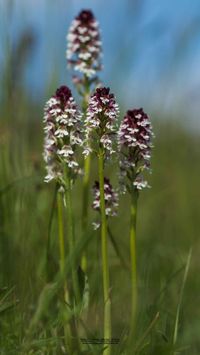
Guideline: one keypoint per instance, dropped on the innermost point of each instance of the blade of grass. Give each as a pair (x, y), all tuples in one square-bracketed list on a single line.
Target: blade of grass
[(146, 333), (181, 296)]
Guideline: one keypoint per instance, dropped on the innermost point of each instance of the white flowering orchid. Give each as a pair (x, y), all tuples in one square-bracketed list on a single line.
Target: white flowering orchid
[(63, 133)]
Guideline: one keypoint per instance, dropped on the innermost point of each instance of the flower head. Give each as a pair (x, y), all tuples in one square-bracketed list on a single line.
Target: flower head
[(101, 121), (63, 132), (84, 44), (111, 199), (135, 143)]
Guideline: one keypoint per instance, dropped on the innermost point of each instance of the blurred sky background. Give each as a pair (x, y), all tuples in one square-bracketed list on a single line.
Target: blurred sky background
[(151, 50)]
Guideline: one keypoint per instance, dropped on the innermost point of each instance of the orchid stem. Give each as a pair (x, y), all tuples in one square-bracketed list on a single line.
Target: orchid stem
[(85, 206), (70, 233), (67, 331), (133, 263), (86, 178), (61, 233), (104, 247)]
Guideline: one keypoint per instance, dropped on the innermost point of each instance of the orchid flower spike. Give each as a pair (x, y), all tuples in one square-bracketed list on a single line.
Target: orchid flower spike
[(84, 44), (135, 144), (63, 133)]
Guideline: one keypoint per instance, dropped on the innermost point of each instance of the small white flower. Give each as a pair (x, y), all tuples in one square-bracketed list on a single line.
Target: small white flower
[(60, 133), (96, 225), (140, 184), (87, 151), (66, 151)]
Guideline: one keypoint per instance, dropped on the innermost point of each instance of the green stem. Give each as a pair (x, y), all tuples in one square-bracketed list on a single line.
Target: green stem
[(61, 233), (48, 258), (86, 178), (67, 331), (85, 206), (133, 263), (70, 234), (104, 247)]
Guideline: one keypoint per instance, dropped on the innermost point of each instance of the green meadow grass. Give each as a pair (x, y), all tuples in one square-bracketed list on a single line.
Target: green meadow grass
[(168, 227)]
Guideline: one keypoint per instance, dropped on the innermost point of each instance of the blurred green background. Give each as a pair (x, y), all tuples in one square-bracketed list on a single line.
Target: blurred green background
[(151, 56)]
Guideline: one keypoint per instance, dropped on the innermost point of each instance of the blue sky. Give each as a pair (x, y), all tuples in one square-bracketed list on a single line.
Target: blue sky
[(151, 48)]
